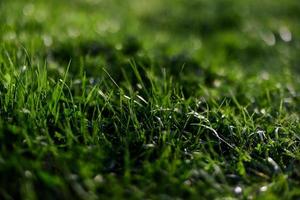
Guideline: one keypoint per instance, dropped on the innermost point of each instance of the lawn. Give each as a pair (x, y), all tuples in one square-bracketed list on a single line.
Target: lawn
[(157, 99)]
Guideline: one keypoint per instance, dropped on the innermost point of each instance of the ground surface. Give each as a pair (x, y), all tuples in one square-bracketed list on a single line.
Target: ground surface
[(149, 99)]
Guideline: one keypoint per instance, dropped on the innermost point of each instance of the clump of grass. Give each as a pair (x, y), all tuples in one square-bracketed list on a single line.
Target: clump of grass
[(92, 115)]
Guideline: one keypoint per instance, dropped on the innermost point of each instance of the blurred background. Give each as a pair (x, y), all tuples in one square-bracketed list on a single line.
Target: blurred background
[(250, 35)]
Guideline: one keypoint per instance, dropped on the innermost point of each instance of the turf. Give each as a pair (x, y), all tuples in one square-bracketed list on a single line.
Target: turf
[(149, 99)]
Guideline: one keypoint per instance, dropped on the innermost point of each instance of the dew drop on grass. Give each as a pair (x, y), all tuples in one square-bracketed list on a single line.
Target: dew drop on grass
[(160, 121), (285, 34), (273, 163), (188, 182), (263, 111), (98, 178), (238, 190), (217, 83), (28, 174), (261, 134), (139, 86), (263, 188), (24, 68), (102, 94), (142, 99), (268, 38), (25, 111), (47, 40)]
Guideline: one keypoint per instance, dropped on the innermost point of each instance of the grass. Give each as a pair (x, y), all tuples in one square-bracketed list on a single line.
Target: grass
[(149, 100)]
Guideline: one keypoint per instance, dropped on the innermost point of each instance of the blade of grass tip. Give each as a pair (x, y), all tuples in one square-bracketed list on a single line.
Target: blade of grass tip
[(9, 58), (67, 71), (64, 78), (244, 111), (221, 104), (111, 78), (129, 86), (28, 58), (182, 68), (235, 100), (216, 134), (60, 91), (70, 93), (137, 74), (90, 95)]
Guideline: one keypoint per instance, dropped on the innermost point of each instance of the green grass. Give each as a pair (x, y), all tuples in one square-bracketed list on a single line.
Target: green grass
[(149, 99)]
